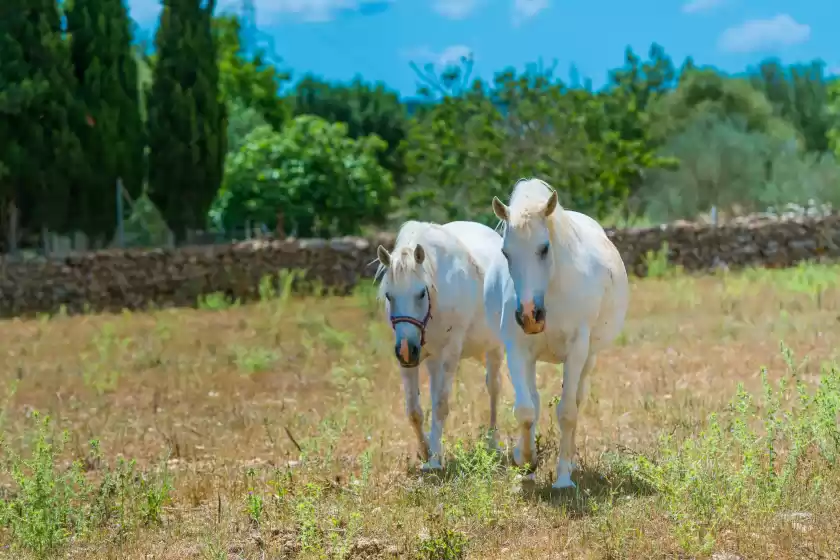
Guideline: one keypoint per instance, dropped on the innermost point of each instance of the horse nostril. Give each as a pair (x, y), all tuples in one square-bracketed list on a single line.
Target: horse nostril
[(539, 314), (518, 316)]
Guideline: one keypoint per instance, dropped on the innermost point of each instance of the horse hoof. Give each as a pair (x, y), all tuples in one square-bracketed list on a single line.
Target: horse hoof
[(563, 482)]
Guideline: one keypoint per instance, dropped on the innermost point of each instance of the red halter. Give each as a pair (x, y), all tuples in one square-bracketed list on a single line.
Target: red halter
[(416, 322)]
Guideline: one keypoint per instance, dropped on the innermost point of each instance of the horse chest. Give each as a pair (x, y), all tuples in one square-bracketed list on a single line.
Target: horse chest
[(552, 347)]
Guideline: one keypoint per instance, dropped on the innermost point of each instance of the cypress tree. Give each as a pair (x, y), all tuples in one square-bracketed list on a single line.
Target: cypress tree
[(39, 150), (187, 124), (112, 139)]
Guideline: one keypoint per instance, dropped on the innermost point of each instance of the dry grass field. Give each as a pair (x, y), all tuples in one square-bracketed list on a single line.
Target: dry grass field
[(276, 430)]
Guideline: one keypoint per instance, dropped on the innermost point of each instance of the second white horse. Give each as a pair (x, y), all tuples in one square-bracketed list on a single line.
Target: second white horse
[(557, 292), (432, 284)]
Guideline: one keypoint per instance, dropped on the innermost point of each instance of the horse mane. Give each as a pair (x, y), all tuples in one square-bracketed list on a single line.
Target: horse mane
[(403, 263), (526, 204)]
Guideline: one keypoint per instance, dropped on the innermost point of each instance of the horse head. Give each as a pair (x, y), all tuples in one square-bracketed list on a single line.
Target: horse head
[(526, 245), (405, 288)]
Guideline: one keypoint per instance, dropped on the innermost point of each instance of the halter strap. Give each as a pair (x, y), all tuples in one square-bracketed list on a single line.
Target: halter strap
[(416, 322)]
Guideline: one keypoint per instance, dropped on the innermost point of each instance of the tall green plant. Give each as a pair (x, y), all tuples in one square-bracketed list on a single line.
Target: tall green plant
[(39, 146), (187, 118), (113, 139)]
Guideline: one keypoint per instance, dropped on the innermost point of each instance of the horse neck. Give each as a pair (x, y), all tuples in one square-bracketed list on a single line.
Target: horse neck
[(564, 242), (447, 258)]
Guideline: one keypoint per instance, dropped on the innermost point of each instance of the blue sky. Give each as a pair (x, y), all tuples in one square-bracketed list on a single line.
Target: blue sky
[(338, 39)]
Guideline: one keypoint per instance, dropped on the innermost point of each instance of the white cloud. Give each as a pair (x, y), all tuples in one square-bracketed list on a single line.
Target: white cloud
[(146, 11), (455, 9), (759, 34), (526, 9), (694, 6), (447, 57)]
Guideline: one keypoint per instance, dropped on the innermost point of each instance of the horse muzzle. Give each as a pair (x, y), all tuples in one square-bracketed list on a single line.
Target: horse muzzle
[(530, 317), (408, 353)]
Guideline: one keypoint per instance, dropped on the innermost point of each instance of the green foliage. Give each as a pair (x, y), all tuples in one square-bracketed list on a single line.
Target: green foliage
[(248, 80), (39, 146), (706, 93), (746, 463), (242, 119), (798, 94), (187, 118), (322, 181), (365, 109), (43, 513), (464, 150), (724, 164), (833, 110), (113, 140), (145, 226)]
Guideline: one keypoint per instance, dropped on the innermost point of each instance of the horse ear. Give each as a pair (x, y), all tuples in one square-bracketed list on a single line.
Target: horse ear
[(551, 205), (500, 209), (384, 256), (419, 254)]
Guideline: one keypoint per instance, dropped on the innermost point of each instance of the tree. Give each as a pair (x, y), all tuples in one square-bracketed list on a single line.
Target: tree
[(186, 117), (798, 94), (113, 140), (465, 149), (365, 109), (39, 149), (248, 79), (322, 181), (707, 92), (723, 164), (833, 113)]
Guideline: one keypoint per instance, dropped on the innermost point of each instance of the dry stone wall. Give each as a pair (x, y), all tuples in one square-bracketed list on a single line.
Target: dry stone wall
[(113, 280)]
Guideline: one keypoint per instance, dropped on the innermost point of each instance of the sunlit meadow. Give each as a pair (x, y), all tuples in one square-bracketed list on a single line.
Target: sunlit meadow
[(276, 430)]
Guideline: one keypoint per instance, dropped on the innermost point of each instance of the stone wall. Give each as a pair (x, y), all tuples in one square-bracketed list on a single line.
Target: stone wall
[(135, 279)]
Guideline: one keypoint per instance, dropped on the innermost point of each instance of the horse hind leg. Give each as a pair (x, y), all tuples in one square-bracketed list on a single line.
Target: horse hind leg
[(575, 371), (583, 395), (493, 380)]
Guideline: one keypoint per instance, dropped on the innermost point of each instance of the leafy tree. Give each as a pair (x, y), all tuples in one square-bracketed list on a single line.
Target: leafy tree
[(723, 164), (798, 94), (365, 109), (113, 140), (39, 115), (463, 150), (625, 131), (833, 113), (187, 118), (707, 92), (312, 173), (241, 121), (249, 79)]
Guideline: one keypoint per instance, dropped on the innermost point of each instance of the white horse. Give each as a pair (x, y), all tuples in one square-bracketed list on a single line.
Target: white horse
[(557, 293), (432, 285)]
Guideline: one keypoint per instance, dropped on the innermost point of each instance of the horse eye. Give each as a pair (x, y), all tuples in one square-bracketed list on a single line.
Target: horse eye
[(422, 294), (388, 296), (543, 251)]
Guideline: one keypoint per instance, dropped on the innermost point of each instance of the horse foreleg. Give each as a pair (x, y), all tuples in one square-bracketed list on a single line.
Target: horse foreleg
[(493, 380), (441, 376), (577, 362), (583, 394), (411, 387), (526, 408)]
